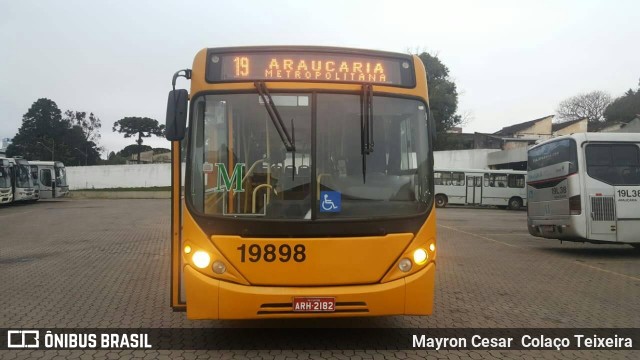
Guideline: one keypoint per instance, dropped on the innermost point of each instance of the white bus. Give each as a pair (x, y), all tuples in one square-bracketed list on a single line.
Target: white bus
[(21, 181), (51, 178), (6, 189), (502, 188), (586, 187)]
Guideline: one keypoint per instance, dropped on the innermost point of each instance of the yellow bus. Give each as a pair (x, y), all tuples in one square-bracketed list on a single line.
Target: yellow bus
[(308, 187)]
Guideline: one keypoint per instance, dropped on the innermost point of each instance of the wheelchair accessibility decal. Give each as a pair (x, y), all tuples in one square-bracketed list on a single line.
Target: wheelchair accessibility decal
[(330, 201)]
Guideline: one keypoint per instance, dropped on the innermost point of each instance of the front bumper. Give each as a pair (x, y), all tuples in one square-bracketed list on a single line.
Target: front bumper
[(6, 198), (208, 298)]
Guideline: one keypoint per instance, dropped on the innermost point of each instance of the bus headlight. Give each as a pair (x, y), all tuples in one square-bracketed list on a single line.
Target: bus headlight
[(420, 256), (201, 259), (404, 265)]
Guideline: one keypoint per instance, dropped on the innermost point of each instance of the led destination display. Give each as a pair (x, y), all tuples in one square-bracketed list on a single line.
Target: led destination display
[(309, 66)]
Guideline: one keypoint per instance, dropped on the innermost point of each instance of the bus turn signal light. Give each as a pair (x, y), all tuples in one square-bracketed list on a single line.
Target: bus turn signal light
[(219, 267), (404, 265), (432, 247)]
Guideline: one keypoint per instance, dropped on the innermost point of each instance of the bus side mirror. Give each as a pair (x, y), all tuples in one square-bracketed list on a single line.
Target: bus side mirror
[(176, 123)]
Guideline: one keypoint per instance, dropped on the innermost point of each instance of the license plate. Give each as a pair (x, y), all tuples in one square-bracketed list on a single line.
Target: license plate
[(314, 304), (548, 228)]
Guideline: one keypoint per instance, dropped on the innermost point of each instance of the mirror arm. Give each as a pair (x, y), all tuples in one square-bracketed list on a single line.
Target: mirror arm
[(186, 75)]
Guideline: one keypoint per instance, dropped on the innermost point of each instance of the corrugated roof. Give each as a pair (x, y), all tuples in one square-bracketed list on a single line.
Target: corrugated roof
[(509, 130), (562, 125)]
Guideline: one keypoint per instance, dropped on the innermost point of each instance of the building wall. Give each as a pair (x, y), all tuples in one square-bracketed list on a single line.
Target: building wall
[(511, 156), (580, 126), (542, 128), (119, 176), (462, 159), (509, 145), (632, 126)]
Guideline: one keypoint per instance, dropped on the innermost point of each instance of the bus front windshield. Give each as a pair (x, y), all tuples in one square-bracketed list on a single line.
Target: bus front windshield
[(5, 179), (61, 176), (23, 176), (241, 167)]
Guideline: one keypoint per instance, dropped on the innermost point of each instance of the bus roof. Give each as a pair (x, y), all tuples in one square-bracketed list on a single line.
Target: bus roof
[(51, 163), (502, 171), (594, 136), (310, 48)]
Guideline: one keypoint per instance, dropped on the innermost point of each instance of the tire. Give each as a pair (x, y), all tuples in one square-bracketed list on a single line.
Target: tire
[(515, 203), (441, 201)]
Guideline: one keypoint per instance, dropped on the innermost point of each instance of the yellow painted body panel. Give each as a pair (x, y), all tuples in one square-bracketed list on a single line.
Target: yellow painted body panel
[(329, 261), (362, 273), (212, 299)]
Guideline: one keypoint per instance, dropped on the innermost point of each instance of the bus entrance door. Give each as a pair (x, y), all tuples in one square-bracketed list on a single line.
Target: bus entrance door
[(474, 190)]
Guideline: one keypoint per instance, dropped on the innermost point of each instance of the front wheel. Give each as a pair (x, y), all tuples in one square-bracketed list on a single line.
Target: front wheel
[(515, 203), (441, 201)]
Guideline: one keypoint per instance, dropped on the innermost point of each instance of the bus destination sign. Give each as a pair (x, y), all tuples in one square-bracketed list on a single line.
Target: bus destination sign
[(309, 66)]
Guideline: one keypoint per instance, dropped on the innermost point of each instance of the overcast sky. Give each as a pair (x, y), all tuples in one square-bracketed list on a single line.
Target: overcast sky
[(512, 61)]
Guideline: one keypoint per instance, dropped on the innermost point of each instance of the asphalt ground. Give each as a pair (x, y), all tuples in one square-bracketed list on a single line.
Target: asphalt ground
[(105, 264)]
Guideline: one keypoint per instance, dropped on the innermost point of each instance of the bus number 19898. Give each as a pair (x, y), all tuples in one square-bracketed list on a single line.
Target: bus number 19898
[(268, 253)]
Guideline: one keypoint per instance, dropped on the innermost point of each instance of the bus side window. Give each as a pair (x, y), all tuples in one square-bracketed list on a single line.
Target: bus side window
[(486, 180), (516, 181), (615, 164), (446, 178), (458, 178), (437, 178)]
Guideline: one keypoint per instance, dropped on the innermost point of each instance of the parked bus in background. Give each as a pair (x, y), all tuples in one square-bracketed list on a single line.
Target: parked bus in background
[(6, 188), (51, 178), (502, 188), (21, 181), (586, 187), (33, 170), (309, 185)]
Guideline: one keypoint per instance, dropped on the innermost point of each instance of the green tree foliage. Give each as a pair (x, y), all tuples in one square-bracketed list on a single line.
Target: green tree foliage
[(443, 97), (133, 149), (90, 124), (45, 134), (138, 126), (624, 108), (115, 159)]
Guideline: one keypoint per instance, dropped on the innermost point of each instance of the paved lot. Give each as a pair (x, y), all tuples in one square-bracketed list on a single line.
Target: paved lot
[(104, 263)]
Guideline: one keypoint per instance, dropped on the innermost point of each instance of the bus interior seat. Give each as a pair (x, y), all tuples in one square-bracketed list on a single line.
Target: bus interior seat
[(304, 171), (289, 170)]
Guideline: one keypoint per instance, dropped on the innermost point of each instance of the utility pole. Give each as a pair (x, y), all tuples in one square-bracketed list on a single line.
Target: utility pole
[(51, 150), (86, 155)]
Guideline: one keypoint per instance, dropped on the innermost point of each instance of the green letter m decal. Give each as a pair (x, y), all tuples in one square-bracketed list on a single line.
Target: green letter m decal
[(226, 183)]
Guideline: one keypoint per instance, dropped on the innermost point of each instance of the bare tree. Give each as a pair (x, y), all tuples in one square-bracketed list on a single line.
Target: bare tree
[(590, 105)]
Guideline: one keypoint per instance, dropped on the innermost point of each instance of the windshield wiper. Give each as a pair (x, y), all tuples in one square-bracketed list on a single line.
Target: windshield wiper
[(286, 138), (366, 126)]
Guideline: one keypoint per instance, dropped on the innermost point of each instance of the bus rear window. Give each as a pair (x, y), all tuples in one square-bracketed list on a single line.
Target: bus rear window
[(552, 153), (614, 164)]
